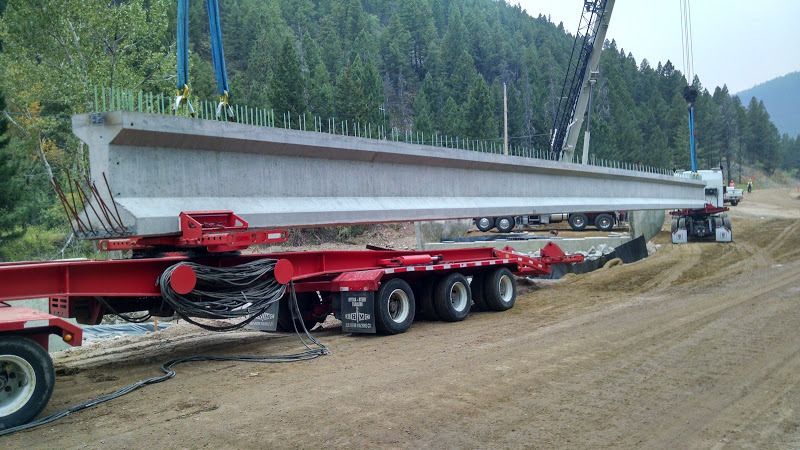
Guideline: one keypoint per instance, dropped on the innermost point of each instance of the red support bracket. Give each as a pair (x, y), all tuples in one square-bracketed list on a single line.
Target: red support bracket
[(217, 231), (527, 265), (708, 209)]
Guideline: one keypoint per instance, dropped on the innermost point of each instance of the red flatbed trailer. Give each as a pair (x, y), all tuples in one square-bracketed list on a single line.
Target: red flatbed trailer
[(368, 290)]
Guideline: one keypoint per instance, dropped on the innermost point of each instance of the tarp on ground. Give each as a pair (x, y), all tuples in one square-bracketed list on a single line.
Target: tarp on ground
[(629, 252)]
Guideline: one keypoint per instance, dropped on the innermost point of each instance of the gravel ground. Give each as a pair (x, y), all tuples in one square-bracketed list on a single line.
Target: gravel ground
[(695, 347)]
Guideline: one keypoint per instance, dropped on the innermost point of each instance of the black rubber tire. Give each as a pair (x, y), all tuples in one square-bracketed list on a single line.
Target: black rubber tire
[(504, 227), (604, 222), (423, 293), (496, 295), (734, 203), (306, 301), (476, 288), (384, 322), (43, 372), (445, 308), (578, 221), (487, 226)]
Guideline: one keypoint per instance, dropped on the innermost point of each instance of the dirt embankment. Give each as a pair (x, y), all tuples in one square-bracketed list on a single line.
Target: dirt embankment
[(695, 347)]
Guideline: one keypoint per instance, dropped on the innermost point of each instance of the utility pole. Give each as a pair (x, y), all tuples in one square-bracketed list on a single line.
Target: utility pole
[(505, 120)]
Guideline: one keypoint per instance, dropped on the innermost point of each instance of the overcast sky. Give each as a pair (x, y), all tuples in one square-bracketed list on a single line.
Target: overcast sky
[(740, 43)]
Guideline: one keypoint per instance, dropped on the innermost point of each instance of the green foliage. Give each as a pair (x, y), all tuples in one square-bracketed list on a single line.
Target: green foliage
[(358, 93), (287, 88), (11, 194), (481, 122), (61, 49)]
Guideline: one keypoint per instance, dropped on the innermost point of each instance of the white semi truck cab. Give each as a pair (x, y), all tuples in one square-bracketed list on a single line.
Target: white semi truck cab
[(705, 224)]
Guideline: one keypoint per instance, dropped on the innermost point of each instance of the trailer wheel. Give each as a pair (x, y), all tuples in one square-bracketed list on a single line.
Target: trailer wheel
[(504, 224), (306, 302), (577, 221), (476, 289), (423, 293), (452, 298), (394, 307), (500, 290), (484, 223), (27, 379), (604, 222)]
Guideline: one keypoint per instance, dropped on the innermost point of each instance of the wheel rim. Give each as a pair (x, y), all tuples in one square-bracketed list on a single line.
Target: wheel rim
[(399, 306), (484, 222), (578, 221), (506, 288), (458, 296), (504, 223), (17, 383), (605, 223)]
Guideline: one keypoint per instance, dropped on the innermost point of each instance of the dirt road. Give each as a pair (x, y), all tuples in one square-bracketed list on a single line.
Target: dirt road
[(695, 347)]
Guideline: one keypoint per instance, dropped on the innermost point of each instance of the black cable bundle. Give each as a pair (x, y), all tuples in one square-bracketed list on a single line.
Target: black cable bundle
[(246, 290)]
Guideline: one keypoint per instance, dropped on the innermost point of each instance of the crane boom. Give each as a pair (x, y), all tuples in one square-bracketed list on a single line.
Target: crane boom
[(585, 60)]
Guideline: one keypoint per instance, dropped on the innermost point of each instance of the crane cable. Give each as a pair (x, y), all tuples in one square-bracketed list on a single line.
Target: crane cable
[(687, 40)]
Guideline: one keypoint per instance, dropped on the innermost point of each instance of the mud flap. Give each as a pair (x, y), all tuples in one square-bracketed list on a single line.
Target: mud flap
[(358, 312), (268, 320), (680, 236), (724, 235)]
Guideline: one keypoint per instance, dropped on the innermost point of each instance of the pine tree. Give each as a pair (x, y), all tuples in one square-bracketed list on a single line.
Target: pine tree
[(320, 98), (358, 93), (423, 120), (287, 86), (452, 119), (479, 113)]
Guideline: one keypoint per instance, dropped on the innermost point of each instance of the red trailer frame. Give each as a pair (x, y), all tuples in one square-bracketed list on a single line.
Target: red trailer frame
[(325, 281), (73, 286)]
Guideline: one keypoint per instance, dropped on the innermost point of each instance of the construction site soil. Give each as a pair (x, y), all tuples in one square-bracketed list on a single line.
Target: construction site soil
[(694, 347)]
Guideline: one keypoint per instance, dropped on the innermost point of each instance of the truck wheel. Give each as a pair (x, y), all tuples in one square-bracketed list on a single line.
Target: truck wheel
[(306, 302), (452, 298), (505, 224), (394, 307), (577, 221), (604, 222), (484, 223), (423, 292), (476, 289), (500, 290), (27, 379), (735, 202)]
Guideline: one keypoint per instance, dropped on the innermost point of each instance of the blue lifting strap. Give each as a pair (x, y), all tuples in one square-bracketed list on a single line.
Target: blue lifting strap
[(183, 44), (182, 80), (218, 58)]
